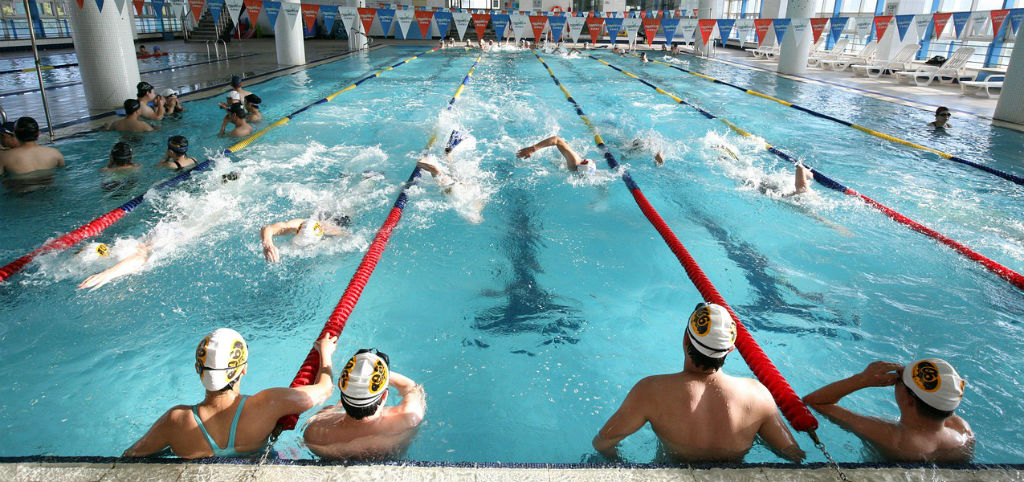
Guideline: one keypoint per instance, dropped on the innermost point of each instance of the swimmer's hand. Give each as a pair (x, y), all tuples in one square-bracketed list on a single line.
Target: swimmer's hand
[(659, 159), (270, 253), (526, 152), (126, 266), (326, 346), (880, 374)]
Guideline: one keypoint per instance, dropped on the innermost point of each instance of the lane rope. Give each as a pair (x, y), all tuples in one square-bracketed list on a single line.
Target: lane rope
[(103, 222), (789, 403), (945, 155), (1002, 271), (339, 317)]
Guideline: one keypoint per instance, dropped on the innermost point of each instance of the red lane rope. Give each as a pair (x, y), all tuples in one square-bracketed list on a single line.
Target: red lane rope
[(92, 228)]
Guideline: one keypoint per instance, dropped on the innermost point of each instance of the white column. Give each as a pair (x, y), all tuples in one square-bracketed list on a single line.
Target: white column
[(288, 39), (1011, 101), (796, 45), (707, 9), (106, 54), (360, 39)]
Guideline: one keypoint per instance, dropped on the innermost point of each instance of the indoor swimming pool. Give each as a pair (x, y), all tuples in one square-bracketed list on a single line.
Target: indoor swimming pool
[(530, 300)]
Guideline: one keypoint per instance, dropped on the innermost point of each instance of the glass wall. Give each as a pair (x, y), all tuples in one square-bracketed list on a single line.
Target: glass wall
[(55, 22)]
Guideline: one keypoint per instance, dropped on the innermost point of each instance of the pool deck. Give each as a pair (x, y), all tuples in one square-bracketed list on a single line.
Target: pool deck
[(100, 469)]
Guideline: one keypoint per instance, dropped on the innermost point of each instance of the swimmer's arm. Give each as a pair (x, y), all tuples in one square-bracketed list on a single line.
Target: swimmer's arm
[(124, 267), (876, 431), (628, 419), (414, 400), (293, 401), (224, 123), (776, 434), (158, 438), (269, 231), (60, 160)]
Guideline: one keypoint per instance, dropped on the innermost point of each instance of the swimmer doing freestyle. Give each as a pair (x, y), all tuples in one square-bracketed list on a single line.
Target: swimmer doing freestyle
[(305, 232), (449, 185)]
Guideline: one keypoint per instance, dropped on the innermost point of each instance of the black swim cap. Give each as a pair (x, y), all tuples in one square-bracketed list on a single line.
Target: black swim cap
[(253, 99), (121, 154), (26, 129), (238, 110), (236, 81), (177, 144), (130, 106), (143, 88)]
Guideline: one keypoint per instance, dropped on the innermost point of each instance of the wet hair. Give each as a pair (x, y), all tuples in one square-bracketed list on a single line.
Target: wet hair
[(121, 155), (26, 129), (231, 176), (941, 110), (143, 88), (338, 219), (701, 360), (130, 106), (178, 144), (926, 411), (236, 81), (253, 99), (359, 413), (238, 110)]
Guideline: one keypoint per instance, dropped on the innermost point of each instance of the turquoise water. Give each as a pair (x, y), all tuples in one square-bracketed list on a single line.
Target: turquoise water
[(538, 319)]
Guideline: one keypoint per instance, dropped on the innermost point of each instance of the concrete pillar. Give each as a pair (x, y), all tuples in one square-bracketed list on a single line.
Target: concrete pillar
[(106, 54), (796, 45), (1011, 101), (288, 38), (708, 9), (359, 40)]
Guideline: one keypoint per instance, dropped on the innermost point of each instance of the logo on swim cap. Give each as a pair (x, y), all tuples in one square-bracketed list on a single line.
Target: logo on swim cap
[(201, 355), (346, 373), (700, 321), (926, 376), (102, 249), (379, 380)]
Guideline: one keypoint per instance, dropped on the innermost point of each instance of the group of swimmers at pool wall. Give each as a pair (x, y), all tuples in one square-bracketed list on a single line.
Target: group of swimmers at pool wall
[(699, 414)]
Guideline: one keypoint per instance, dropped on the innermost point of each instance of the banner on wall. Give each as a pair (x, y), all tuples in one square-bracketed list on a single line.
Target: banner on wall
[(538, 23), (687, 29), (366, 16), (196, 6), (761, 26), (651, 25), (424, 18), (921, 25), (500, 22), (725, 28), (707, 28), (836, 27), (669, 25), (903, 25), (272, 9), (443, 20), (781, 26), (959, 22), (940, 22), (291, 12), (403, 18), (594, 27), (252, 9), (158, 8), (818, 27), (881, 25), (557, 24), (614, 25), (480, 21), (574, 26), (632, 27), (520, 24), (330, 15), (309, 14)]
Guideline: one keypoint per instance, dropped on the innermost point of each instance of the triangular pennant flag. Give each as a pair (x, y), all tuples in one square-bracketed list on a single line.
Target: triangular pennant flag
[(348, 16), (959, 22), (594, 26), (216, 7), (632, 27), (881, 25), (836, 27), (520, 24), (978, 21), (538, 23), (613, 25), (138, 6), (940, 22), (817, 27), (386, 16), (687, 28), (252, 9), (366, 16), (480, 21), (330, 14), (158, 8), (725, 28), (424, 19), (309, 14), (865, 24), (120, 6), (921, 24), (196, 6), (800, 25), (781, 26), (272, 9), (99, 4), (651, 24), (404, 20), (761, 26), (574, 25), (903, 25), (707, 27), (1016, 18), (443, 19), (291, 11), (669, 25), (500, 23), (998, 17), (461, 20), (557, 24)]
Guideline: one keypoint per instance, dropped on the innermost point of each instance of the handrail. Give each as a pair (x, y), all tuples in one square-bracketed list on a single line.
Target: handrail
[(221, 41)]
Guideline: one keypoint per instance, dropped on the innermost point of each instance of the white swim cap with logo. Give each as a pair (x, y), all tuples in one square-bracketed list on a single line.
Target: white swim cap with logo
[(712, 331), (220, 358), (364, 379), (310, 231), (587, 166), (935, 382)]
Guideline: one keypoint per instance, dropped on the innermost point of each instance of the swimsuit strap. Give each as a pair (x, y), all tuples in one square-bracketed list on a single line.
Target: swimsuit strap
[(178, 164), (213, 445), (234, 424)]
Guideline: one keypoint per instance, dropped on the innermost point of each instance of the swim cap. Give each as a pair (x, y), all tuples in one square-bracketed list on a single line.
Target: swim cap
[(168, 92), (130, 106), (102, 250), (26, 129), (364, 379), (122, 153), (143, 88), (587, 166), (712, 331), (177, 144), (238, 110), (935, 382), (234, 95), (236, 81), (220, 358), (7, 128), (253, 99)]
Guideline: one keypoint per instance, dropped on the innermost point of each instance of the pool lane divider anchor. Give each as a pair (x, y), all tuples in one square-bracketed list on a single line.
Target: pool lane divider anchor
[(1008, 274), (339, 317), (103, 222), (945, 155), (789, 403)]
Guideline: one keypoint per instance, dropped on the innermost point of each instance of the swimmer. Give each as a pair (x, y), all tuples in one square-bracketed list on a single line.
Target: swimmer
[(236, 115), (573, 161), (7, 138), (643, 57), (927, 393), (241, 424), (305, 231), (145, 95), (942, 115), (468, 202), (647, 145), (362, 426), (802, 180), (176, 157), (236, 86), (121, 157), (252, 105), (171, 103), (713, 417), (131, 122), (142, 50), (29, 158), (675, 49)]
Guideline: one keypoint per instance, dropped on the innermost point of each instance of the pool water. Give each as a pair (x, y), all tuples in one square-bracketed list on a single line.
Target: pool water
[(528, 327)]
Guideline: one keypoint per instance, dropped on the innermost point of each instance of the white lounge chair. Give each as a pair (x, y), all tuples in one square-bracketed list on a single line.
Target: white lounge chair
[(864, 57), (990, 82), (818, 56), (901, 61), (764, 51), (952, 69)]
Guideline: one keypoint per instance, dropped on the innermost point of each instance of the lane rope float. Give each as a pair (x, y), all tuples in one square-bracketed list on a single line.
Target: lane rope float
[(789, 403), (945, 155), (1002, 271), (339, 317), (103, 222)]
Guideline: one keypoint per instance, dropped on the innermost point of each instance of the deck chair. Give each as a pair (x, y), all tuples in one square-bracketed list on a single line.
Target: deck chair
[(764, 51), (819, 56), (952, 69), (817, 51), (864, 57), (900, 61), (990, 82)]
